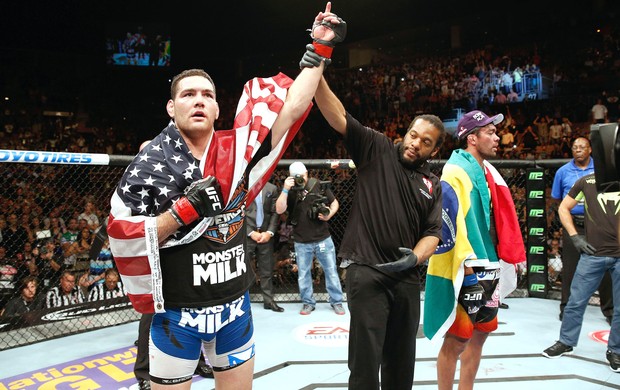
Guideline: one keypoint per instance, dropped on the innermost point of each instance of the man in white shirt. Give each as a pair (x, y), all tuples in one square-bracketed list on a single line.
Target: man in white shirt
[(599, 112)]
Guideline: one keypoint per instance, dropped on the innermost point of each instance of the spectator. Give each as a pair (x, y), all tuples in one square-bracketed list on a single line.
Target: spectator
[(567, 127), (15, 236), (56, 228), (512, 97), (507, 139), (530, 139), (500, 98), (555, 132), (101, 264), (90, 216), (554, 260), (517, 76), (56, 220), (82, 249), (40, 230), (69, 243), (49, 264), (542, 128), (565, 147), (507, 84), (599, 112), (25, 263), (27, 301)]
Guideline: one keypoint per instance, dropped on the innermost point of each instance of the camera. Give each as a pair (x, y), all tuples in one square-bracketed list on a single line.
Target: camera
[(319, 201), (299, 182), (318, 207)]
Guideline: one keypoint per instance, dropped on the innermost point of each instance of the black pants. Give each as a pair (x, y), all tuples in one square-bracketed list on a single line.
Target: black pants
[(264, 266), (570, 257), (385, 316), (141, 366)]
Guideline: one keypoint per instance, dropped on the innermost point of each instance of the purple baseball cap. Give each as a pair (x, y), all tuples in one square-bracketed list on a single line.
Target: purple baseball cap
[(474, 119)]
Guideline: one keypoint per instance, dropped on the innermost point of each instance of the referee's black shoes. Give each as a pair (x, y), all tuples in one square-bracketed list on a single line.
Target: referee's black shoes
[(273, 306)]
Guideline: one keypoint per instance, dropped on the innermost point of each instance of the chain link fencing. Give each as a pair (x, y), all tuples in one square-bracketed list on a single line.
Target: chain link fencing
[(44, 191)]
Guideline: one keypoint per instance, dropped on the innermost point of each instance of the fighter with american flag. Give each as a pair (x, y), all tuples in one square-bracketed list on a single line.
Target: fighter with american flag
[(176, 225)]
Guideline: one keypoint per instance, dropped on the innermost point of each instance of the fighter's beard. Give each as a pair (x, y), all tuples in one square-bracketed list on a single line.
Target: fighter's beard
[(409, 164)]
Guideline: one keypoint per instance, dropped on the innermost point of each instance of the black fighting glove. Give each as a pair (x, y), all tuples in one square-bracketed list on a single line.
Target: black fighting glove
[(203, 198), (471, 296), (340, 32), (582, 245), (321, 50), (409, 260), (311, 59)]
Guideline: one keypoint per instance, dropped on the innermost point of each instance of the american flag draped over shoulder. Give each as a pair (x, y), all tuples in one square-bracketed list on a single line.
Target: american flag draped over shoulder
[(160, 172)]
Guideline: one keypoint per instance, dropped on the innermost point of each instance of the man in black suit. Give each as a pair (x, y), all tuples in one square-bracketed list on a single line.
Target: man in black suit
[(262, 222)]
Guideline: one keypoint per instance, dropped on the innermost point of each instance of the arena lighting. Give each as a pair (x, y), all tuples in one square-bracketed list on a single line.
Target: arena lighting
[(606, 154)]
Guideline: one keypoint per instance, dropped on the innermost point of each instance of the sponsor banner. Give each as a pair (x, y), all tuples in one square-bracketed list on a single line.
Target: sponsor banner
[(35, 157), (37, 317), (323, 334), (536, 232), (111, 370)]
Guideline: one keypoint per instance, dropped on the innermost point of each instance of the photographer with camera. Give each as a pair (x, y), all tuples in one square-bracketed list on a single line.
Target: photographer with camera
[(310, 204)]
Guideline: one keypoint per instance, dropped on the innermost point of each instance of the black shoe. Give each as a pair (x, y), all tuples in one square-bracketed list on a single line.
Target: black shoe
[(503, 306), (204, 370), (144, 384), (273, 306), (558, 349), (614, 361)]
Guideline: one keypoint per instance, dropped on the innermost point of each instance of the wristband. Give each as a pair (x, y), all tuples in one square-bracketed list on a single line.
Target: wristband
[(470, 280), (322, 50), (284, 191), (184, 211), (176, 218)]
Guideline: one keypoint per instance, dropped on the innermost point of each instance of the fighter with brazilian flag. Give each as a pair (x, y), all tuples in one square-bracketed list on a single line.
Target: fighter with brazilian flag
[(480, 232)]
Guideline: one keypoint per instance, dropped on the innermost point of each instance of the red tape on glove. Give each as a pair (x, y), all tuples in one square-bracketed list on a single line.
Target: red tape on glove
[(185, 211), (322, 50)]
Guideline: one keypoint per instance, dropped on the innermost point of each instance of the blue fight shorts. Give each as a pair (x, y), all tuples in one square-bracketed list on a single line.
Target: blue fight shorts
[(226, 332)]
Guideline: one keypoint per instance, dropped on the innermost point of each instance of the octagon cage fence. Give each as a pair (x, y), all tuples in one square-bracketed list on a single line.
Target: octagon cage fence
[(43, 188)]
